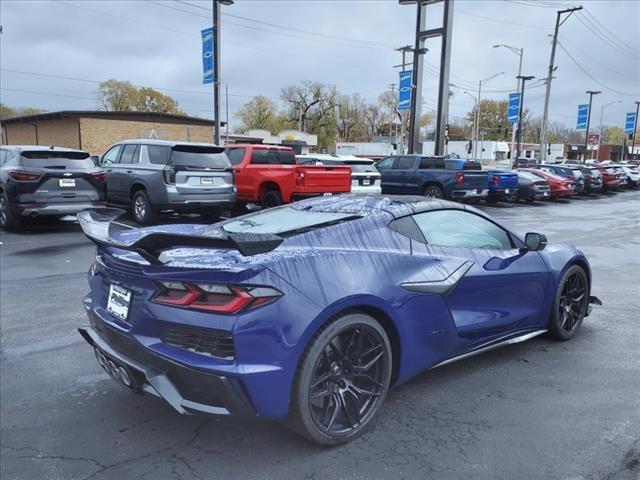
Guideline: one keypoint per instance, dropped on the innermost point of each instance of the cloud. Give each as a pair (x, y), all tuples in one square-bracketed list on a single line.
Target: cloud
[(349, 43)]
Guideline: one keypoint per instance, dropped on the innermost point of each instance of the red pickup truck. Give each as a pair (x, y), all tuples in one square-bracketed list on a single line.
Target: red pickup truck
[(269, 175)]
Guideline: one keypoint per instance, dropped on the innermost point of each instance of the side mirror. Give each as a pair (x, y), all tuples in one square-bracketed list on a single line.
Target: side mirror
[(95, 159), (535, 241)]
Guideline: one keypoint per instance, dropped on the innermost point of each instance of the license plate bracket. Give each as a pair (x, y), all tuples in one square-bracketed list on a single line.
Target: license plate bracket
[(206, 181), (119, 302)]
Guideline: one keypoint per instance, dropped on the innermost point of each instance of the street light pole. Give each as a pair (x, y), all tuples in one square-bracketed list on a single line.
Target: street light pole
[(545, 115), (635, 127), (216, 67), (524, 79), (477, 132), (519, 52), (602, 126), (586, 135)]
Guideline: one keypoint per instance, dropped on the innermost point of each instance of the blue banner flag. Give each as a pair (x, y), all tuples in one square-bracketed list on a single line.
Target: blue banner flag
[(404, 90), (630, 123), (583, 114), (514, 108), (207, 55)]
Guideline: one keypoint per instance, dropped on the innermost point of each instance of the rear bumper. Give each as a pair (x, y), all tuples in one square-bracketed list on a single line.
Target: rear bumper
[(474, 193), (372, 189), (187, 390), (501, 192), (47, 209), (196, 202)]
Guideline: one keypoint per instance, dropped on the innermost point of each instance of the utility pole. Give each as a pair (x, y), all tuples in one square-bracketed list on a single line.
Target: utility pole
[(226, 100), (520, 53), (524, 79), (216, 66), (602, 126), (635, 127), (586, 135), (545, 115)]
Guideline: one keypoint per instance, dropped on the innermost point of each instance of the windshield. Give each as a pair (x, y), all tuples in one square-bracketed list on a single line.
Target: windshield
[(51, 159), (199, 157), (281, 220), (530, 176), (577, 173)]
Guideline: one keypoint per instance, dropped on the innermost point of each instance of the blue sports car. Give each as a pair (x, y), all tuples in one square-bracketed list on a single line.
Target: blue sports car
[(309, 313)]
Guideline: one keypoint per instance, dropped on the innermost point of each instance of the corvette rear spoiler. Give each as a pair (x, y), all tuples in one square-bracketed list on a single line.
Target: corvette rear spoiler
[(99, 226)]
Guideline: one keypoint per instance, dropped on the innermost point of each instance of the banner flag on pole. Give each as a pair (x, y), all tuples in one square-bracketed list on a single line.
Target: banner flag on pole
[(514, 108), (631, 121), (404, 90), (207, 55), (583, 113)]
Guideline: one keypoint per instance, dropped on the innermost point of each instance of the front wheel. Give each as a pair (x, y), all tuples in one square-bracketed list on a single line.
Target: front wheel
[(570, 304), (342, 380)]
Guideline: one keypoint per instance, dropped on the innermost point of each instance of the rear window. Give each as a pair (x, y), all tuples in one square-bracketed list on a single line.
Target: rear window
[(193, 156), (281, 220), (265, 156), (53, 159)]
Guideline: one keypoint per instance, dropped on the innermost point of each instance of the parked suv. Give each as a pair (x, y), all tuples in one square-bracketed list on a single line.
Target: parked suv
[(47, 181), (151, 176)]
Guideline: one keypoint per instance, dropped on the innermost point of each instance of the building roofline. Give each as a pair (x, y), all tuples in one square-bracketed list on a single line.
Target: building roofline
[(115, 115)]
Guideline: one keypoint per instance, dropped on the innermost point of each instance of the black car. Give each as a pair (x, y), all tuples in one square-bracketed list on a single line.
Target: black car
[(51, 181), (532, 187), (592, 177)]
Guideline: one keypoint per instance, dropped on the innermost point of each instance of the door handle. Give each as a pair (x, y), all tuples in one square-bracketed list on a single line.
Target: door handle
[(109, 169), (129, 171)]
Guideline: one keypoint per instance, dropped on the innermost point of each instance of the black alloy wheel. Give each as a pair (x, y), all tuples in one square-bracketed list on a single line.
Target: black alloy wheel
[(342, 381), (570, 305), (433, 191), (271, 198)]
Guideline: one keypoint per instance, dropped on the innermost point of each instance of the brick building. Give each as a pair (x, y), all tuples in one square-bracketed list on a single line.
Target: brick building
[(94, 131)]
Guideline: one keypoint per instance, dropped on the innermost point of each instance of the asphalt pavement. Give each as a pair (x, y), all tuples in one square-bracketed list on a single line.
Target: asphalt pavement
[(537, 410)]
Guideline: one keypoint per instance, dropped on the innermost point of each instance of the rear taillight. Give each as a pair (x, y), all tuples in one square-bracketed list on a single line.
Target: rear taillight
[(495, 180), (169, 175), (214, 298), (99, 176), (459, 179), (300, 179), (23, 176)]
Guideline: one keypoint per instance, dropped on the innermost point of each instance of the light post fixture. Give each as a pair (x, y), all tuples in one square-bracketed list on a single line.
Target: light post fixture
[(591, 93), (475, 106), (635, 127), (601, 125), (519, 52), (216, 66), (477, 122)]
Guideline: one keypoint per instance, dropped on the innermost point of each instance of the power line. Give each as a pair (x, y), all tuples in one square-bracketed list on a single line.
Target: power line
[(611, 34), (594, 29), (493, 19), (606, 87)]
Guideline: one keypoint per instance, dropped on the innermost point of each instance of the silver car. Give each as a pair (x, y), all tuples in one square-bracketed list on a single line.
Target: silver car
[(152, 176)]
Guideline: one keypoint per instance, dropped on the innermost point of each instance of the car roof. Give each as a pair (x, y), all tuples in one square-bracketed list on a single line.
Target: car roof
[(260, 145), (168, 143), (41, 148), (365, 205)]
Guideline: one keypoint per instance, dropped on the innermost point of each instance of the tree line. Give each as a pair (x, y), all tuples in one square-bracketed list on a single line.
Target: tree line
[(333, 116)]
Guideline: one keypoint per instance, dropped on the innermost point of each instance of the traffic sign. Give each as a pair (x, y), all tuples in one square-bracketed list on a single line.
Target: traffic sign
[(630, 123), (207, 55), (583, 113), (404, 90), (514, 108)]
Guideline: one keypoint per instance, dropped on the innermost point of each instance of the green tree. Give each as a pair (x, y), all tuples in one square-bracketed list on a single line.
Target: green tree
[(259, 112), (613, 135), (121, 96), (6, 111)]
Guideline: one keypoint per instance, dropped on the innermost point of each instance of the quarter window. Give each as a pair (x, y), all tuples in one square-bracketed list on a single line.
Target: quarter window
[(456, 228), (235, 155)]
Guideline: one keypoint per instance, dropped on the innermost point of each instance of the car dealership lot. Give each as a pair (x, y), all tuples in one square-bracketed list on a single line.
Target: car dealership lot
[(540, 409)]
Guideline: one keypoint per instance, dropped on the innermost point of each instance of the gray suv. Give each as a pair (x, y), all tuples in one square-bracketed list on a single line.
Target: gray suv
[(151, 176)]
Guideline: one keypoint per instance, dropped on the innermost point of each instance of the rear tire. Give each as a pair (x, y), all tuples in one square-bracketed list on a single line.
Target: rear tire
[(141, 208), (433, 191), (8, 219), (271, 198), (570, 304), (342, 380)]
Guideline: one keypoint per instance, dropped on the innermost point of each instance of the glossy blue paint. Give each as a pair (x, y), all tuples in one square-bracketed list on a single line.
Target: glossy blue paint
[(354, 265)]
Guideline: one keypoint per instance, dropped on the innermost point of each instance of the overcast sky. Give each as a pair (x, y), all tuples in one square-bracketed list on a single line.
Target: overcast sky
[(269, 44)]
